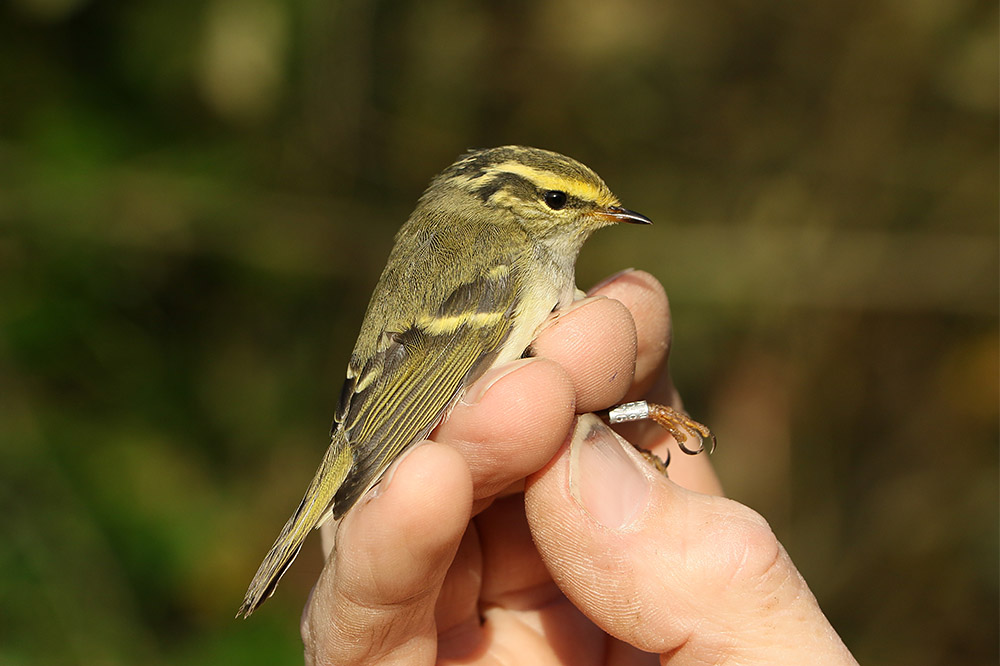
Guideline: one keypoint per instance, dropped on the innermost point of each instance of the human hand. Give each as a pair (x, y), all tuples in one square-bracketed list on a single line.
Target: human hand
[(600, 561)]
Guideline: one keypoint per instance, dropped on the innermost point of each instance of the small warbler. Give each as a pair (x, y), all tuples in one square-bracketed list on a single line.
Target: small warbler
[(484, 258)]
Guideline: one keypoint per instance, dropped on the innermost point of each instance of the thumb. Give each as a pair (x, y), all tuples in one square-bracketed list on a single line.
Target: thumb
[(700, 578)]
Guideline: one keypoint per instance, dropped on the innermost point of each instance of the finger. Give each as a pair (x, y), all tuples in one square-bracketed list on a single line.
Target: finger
[(375, 600), (595, 342), (646, 300), (506, 574), (457, 611), (514, 576), (700, 578), (510, 422)]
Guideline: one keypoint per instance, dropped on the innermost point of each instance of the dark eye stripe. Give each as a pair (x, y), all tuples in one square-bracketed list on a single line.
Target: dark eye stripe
[(523, 188), (511, 181)]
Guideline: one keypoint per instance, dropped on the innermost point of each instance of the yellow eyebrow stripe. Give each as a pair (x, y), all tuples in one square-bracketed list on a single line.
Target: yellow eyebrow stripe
[(547, 180)]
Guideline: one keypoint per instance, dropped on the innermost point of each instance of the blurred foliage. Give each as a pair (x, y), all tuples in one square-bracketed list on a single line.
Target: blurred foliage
[(197, 197)]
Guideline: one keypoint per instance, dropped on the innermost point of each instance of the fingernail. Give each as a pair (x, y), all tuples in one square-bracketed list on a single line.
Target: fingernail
[(558, 315), (608, 280), (577, 304), (606, 475), (491, 377)]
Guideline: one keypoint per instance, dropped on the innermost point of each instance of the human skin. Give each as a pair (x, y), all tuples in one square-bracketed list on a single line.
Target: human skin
[(522, 533)]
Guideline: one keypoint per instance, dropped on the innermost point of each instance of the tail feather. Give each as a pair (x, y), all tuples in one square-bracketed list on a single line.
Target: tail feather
[(311, 512)]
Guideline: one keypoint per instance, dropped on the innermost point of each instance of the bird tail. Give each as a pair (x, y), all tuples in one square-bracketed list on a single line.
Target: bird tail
[(312, 511)]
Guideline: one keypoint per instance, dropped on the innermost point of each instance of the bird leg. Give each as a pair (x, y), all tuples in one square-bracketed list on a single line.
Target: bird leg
[(678, 424)]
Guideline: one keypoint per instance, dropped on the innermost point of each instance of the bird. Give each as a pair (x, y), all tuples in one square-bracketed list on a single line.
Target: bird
[(486, 255)]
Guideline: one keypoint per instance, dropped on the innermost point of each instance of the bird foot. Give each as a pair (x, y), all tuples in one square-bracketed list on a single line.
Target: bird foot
[(678, 424)]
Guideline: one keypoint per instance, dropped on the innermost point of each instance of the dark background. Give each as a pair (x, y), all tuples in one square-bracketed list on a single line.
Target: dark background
[(197, 197)]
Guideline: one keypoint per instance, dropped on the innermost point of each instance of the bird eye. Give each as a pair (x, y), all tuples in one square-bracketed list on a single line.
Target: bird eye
[(555, 199)]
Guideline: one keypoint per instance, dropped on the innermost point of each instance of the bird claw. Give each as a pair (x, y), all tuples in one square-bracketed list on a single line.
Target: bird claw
[(659, 463), (678, 424)]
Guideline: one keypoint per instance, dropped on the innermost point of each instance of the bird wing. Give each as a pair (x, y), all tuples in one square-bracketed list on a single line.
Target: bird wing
[(394, 398), (399, 394)]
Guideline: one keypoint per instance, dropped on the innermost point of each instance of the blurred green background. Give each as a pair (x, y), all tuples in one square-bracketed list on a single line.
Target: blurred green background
[(196, 199)]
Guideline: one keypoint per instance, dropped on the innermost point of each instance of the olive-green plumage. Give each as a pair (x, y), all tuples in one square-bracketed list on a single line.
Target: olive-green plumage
[(484, 258)]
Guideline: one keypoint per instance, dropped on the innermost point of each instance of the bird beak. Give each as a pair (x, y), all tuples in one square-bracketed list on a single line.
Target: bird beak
[(619, 214)]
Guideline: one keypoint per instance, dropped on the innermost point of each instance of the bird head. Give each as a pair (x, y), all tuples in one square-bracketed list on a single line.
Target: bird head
[(546, 193)]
